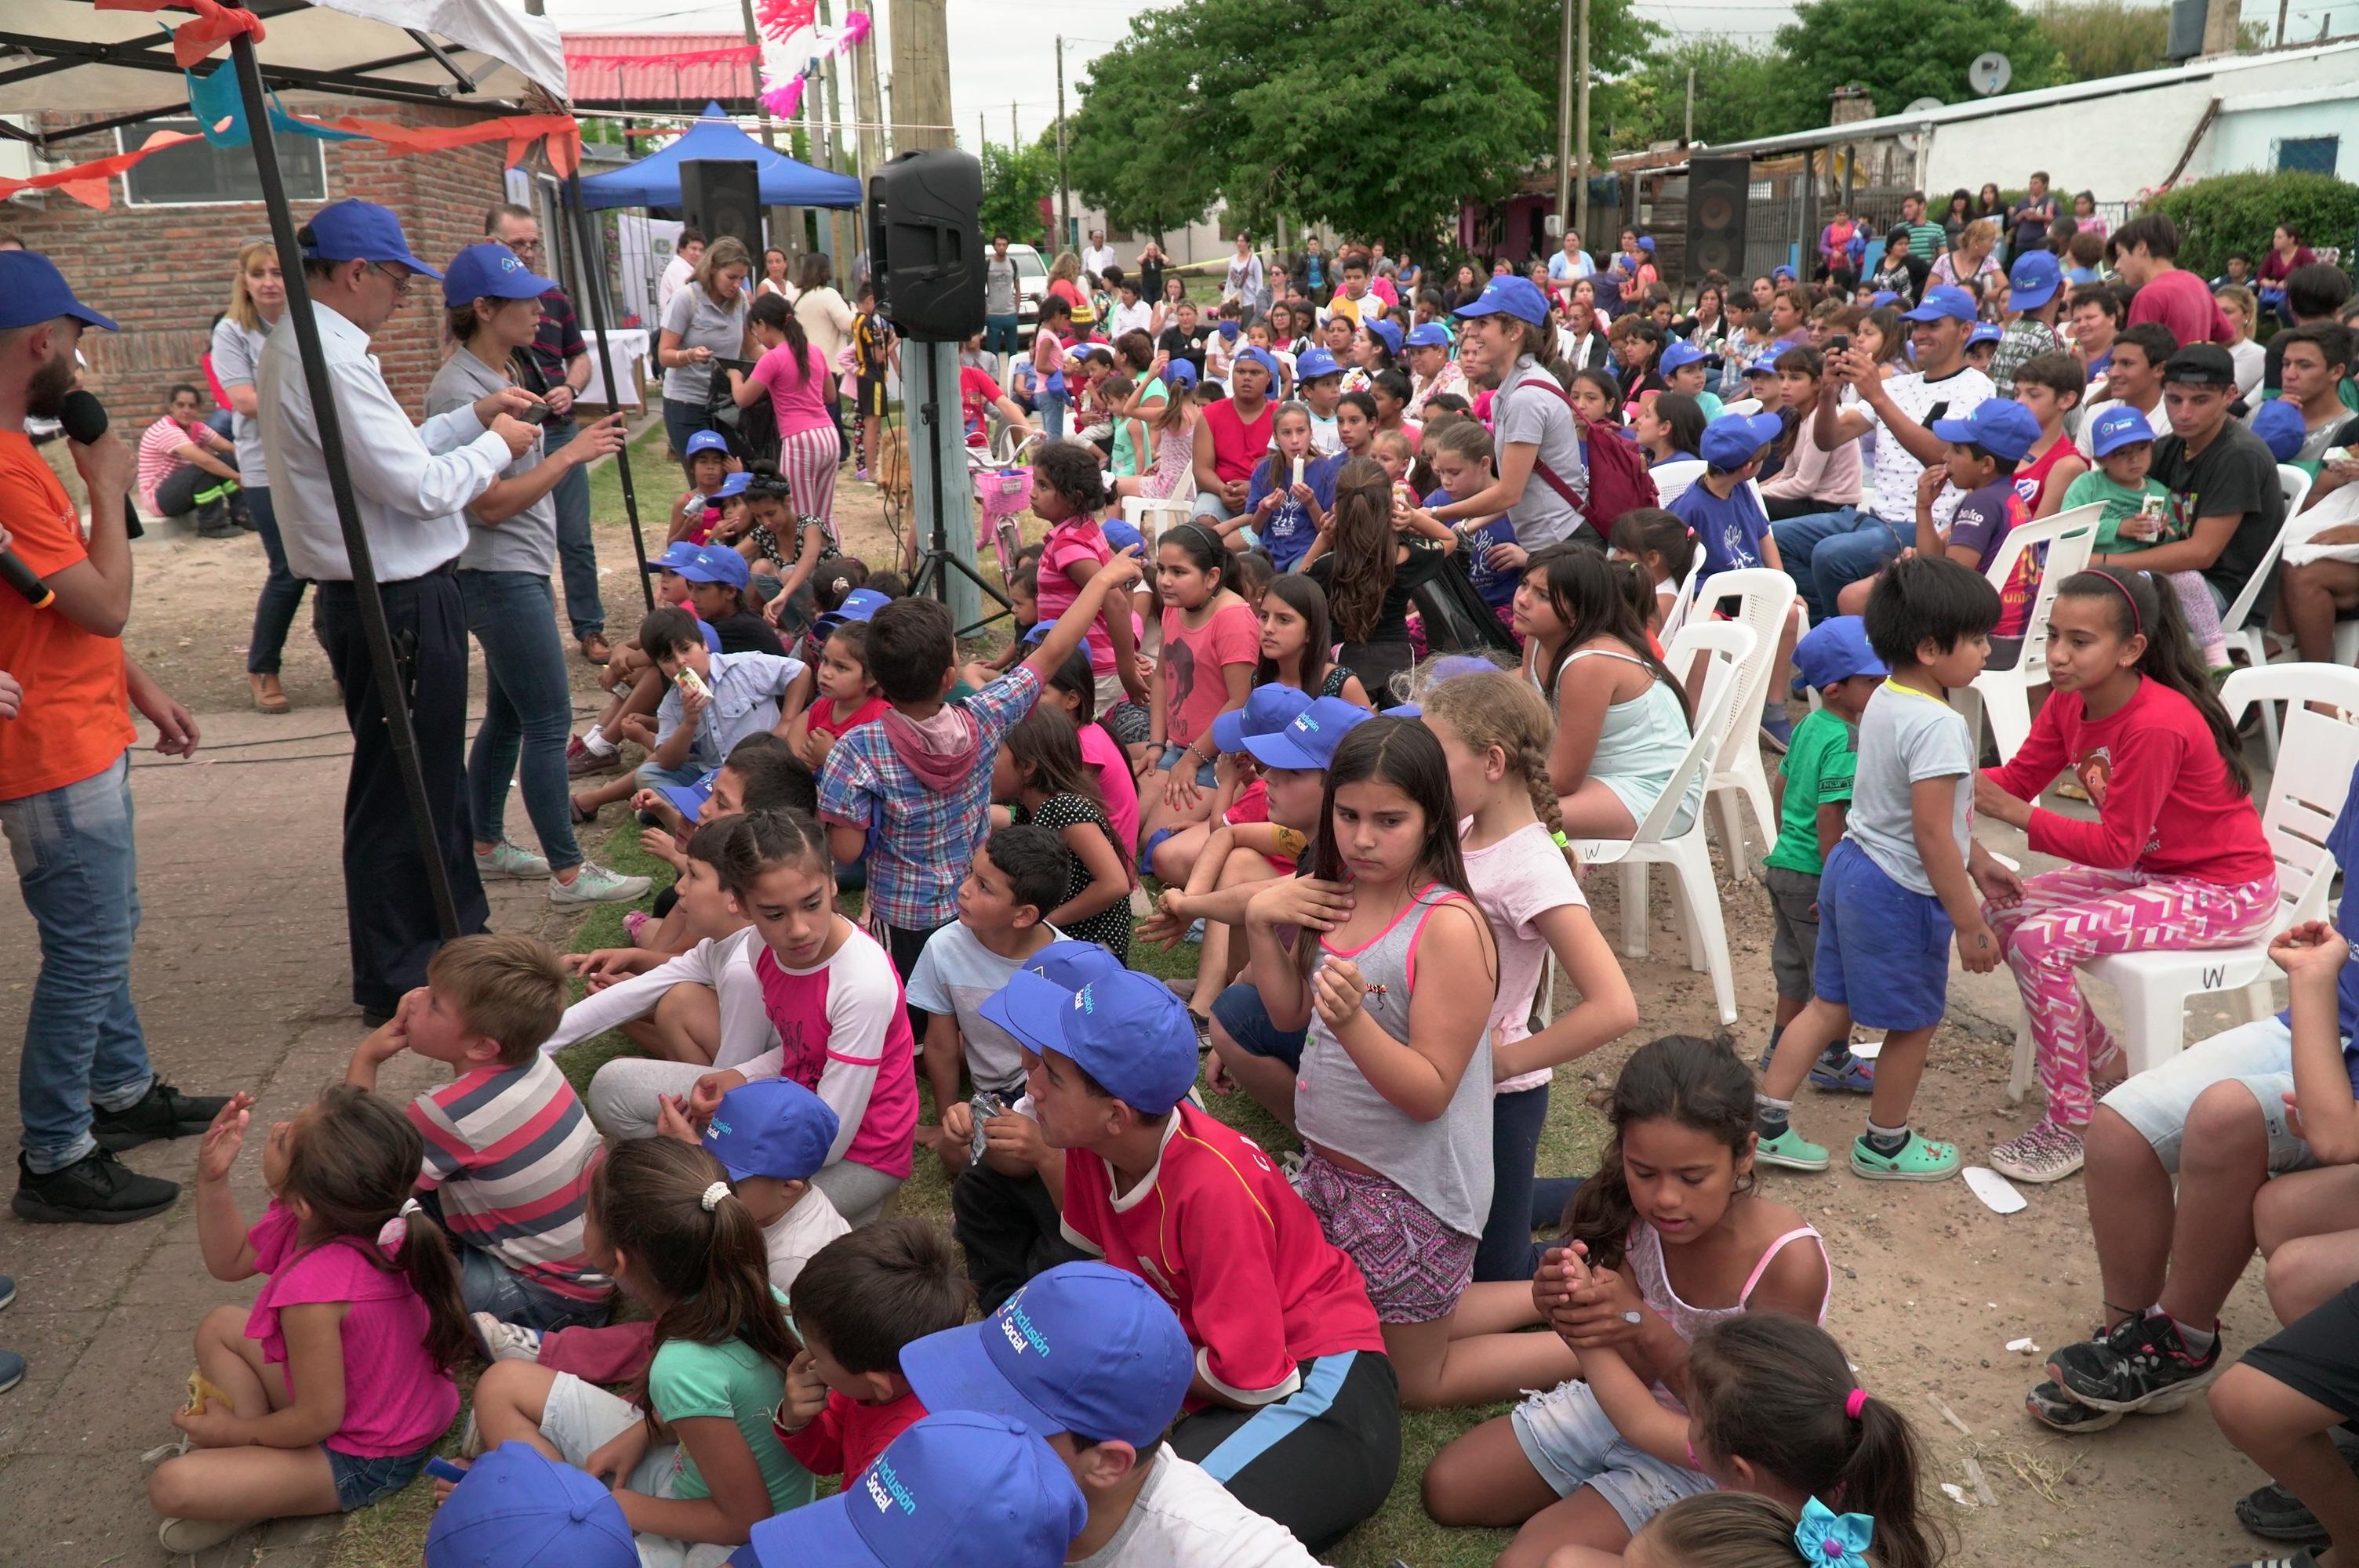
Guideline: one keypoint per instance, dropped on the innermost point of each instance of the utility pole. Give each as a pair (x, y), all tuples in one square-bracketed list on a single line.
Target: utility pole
[(1687, 135), (1015, 138), (1581, 152), (1064, 190), (2282, 7), (869, 104), (1564, 118)]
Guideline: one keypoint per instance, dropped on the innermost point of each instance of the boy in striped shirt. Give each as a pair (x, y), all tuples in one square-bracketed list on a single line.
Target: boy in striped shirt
[(509, 1150)]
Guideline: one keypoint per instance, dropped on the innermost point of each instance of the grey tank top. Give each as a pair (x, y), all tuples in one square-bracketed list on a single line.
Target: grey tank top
[(1444, 1163)]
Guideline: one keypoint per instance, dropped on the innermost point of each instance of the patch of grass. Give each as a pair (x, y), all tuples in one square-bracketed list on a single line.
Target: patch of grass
[(656, 482)]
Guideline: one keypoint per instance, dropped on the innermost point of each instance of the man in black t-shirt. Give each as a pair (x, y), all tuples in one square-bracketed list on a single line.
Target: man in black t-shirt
[(2225, 506)]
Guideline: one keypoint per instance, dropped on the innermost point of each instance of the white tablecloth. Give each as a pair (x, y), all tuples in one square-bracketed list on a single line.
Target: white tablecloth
[(631, 348)]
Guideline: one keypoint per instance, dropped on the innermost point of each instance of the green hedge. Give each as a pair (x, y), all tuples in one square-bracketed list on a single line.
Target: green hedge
[(2239, 212)]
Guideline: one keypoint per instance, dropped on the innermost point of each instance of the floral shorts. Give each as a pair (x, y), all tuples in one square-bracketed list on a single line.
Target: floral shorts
[(1416, 1267)]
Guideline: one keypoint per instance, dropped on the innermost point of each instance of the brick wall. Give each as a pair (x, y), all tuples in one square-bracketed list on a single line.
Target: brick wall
[(163, 272)]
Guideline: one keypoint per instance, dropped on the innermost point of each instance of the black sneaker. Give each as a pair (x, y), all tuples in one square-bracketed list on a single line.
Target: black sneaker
[(2139, 1365), (162, 1112), (2051, 1407), (2275, 1514), (98, 1190)]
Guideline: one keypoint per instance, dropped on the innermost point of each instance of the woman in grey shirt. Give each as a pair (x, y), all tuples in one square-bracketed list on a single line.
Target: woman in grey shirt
[(493, 302), (704, 322), (256, 296)]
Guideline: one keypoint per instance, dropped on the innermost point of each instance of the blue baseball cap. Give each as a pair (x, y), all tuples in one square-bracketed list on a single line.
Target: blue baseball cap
[(2034, 279), (707, 441), (1385, 332), (1881, 297), (732, 484), (519, 1509), (1313, 363), (1310, 742), (1125, 1029), (353, 230), (1269, 709), (1767, 363), (1836, 649), (959, 1489), (1231, 328), (771, 1126), (1260, 356), (717, 563), (1646, 243), (491, 271), (1983, 332), (1781, 270), (859, 604), (1072, 963), (33, 290), (2119, 427), (1942, 304), (1179, 373), (1519, 296), (1428, 335), (1122, 536), (1999, 426), (677, 556), (689, 799), (2277, 422), (1678, 356), (1083, 1348), (1731, 440)]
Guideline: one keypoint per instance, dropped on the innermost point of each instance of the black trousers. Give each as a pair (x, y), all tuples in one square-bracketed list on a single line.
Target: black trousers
[(388, 903), (1009, 1227)]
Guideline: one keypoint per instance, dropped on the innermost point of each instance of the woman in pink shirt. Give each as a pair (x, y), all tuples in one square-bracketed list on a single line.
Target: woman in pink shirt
[(801, 390), (1811, 478)]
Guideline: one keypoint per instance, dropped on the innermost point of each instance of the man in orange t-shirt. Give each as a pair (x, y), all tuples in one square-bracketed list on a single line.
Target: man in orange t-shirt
[(84, 1088)]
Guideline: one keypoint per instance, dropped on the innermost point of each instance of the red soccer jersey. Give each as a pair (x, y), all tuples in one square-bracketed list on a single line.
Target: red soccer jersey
[(1215, 1228)]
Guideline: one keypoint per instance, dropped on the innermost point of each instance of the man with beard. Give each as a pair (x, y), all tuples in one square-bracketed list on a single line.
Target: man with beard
[(84, 1088)]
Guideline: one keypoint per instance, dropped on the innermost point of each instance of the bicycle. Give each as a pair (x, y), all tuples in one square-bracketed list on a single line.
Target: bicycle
[(1003, 491)]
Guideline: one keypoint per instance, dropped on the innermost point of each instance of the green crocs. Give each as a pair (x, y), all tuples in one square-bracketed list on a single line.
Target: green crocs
[(1789, 1150), (1918, 1160)]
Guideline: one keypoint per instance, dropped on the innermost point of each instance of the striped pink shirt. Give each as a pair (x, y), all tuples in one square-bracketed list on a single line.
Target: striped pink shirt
[(156, 462), (512, 1151)]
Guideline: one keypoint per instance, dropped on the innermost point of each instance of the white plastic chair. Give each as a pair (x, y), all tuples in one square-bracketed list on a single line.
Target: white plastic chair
[(1746, 406), (2004, 695), (2302, 799), (2243, 632), (1766, 597), (1677, 616), (1729, 644), (1151, 518)]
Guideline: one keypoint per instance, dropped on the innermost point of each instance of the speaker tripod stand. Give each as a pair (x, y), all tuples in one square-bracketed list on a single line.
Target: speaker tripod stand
[(936, 562)]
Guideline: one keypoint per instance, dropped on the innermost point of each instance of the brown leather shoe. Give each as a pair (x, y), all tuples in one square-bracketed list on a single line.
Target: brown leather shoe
[(596, 649), (268, 697)]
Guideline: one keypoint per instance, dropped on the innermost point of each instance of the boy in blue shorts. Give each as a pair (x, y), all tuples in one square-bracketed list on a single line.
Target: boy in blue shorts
[(1904, 876)]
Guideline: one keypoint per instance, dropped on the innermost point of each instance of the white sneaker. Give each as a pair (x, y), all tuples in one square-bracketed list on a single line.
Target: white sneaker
[(596, 884), (505, 1341), (181, 1536), (507, 860)]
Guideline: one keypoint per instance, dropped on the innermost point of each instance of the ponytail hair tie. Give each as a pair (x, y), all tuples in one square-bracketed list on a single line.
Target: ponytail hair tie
[(1561, 841), (1855, 1402), (394, 1232), (713, 1196)]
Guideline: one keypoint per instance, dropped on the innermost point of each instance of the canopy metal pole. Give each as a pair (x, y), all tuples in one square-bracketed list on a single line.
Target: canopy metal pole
[(391, 687), (594, 289)]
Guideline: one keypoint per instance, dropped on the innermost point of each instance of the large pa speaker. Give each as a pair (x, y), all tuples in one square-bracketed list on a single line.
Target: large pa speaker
[(723, 196), (925, 239), (1717, 188)]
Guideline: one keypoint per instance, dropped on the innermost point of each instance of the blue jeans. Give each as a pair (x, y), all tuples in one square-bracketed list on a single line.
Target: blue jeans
[(1506, 1251), (577, 555), (486, 1284), (527, 709), (682, 420), (282, 590), (78, 871), (1828, 552), (1052, 406)]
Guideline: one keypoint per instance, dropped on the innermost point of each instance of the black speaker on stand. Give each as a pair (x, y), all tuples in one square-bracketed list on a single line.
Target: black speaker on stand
[(925, 247), (1718, 188), (723, 196)]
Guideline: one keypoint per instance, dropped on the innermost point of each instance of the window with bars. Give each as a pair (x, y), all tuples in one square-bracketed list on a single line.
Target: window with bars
[(198, 173)]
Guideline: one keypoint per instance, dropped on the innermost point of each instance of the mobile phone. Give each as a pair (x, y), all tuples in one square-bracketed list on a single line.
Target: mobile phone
[(1839, 343), (537, 414), (442, 1469)]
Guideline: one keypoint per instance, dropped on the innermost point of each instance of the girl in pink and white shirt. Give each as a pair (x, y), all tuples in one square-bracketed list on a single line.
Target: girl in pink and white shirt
[(835, 1000)]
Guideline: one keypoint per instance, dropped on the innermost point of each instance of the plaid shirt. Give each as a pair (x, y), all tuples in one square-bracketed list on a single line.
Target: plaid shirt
[(557, 340), (920, 842)]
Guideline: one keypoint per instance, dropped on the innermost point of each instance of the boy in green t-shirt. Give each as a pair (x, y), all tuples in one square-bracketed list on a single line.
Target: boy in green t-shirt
[(2122, 443), (1835, 658)]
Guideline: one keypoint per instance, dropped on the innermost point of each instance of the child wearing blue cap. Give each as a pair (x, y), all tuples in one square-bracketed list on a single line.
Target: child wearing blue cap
[(1319, 381), (1724, 510), (518, 1508), (1296, 1409), (1834, 658), (1984, 448), (2138, 515), (707, 461), (1093, 1359), (1684, 370)]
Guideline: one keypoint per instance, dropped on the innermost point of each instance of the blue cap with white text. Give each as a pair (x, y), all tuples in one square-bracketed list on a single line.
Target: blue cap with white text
[(771, 1126), (1125, 1029)]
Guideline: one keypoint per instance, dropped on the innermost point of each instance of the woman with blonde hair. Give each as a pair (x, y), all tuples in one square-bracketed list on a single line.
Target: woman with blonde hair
[(256, 295), (1065, 283), (704, 322), (1970, 255)]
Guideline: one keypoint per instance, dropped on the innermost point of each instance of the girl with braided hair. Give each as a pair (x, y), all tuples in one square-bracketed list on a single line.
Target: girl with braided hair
[(1495, 731)]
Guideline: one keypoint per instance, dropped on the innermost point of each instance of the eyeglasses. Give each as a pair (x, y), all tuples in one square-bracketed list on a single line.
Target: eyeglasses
[(400, 280), (523, 247)]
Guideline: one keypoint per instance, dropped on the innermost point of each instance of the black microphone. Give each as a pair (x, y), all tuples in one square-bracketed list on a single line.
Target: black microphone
[(83, 419)]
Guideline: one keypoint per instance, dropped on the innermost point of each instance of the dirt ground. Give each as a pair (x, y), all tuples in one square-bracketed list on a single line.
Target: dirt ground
[(1929, 1286)]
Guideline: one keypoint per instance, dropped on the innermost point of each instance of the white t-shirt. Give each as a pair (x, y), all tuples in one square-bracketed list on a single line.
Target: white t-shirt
[(795, 1235), (954, 974), (723, 965), (676, 272), (1896, 470), (1129, 319), (1326, 440), (1184, 1518), (1097, 258), (1905, 737), (1517, 881)]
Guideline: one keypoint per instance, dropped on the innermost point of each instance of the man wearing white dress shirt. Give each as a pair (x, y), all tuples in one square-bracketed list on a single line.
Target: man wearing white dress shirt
[(411, 483)]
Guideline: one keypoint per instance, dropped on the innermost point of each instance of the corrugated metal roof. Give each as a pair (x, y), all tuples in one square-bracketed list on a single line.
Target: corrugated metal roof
[(644, 77)]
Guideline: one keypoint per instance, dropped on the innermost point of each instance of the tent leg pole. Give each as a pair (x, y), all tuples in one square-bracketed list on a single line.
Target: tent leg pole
[(592, 270), (390, 682)]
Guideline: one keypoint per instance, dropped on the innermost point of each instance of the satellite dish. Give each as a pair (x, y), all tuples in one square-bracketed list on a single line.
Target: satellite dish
[(1928, 103), (1989, 73)]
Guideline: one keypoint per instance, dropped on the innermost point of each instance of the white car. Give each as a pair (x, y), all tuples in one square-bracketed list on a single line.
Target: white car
[(1032, 286)]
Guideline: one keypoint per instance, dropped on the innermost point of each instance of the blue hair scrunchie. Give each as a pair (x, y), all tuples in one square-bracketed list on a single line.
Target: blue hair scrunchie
[(1829, 1540)]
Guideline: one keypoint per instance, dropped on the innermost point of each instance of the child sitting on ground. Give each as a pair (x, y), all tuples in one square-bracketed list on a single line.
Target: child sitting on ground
[(2137, 516), (488, 1003), (1835, 659), (630, 678), (861, 1302), (1074, 689), (515, 1491), (1017, 877), (332, 1390), (847, 697), (707, 463), (1459, 451), (1039, 773), (1892, 891), (717, 591), (715, 701), (760, 775), (1292, 489)]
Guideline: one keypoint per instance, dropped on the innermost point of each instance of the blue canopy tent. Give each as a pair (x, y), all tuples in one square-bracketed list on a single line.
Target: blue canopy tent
[(654, 181)]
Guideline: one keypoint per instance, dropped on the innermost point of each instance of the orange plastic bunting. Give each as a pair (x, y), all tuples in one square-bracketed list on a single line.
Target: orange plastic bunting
[(214, 25)]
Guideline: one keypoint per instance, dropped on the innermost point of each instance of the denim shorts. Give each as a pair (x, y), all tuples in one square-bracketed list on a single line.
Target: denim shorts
[(1206, 777), (1243, 1017), (2257, 1055), (1572, 1444), (1884, 949), (360, 1482)]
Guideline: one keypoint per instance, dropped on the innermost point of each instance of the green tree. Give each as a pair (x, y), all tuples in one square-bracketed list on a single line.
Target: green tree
[(1014, 180), (1740, 92), (2113, 38), (1904, 49)]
